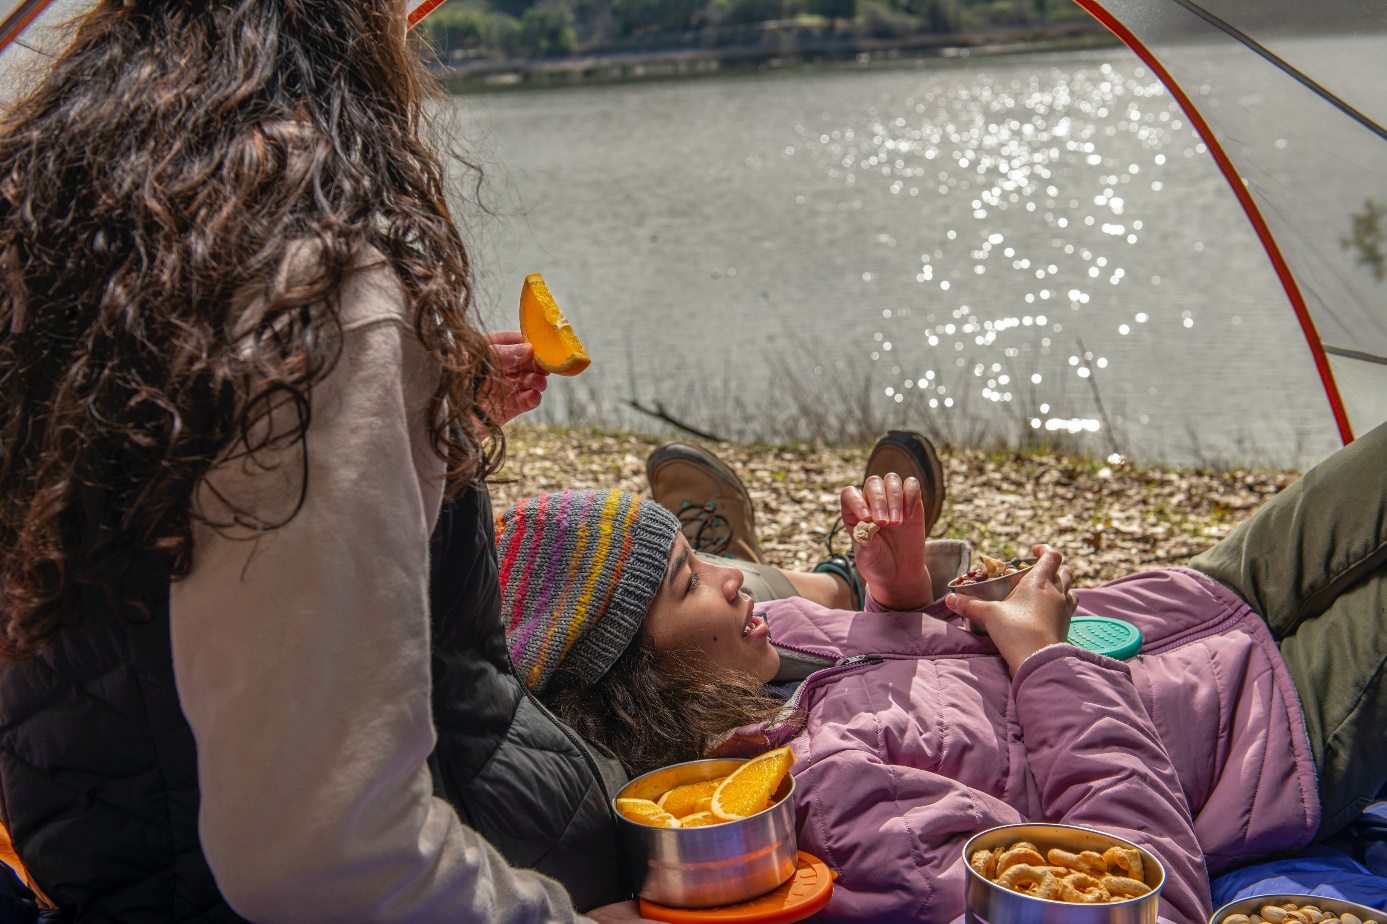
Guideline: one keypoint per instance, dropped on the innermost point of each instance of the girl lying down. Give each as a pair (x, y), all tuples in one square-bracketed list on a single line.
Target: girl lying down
[(1252, 722)]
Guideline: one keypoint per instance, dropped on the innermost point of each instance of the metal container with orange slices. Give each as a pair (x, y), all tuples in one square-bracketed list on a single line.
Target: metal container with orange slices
[(710, 832)]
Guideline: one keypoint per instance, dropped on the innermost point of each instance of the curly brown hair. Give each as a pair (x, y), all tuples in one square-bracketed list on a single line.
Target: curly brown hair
[(652, 708), (170, 162)]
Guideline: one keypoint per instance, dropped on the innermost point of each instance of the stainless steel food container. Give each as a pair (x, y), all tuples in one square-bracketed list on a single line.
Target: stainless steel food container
[(989, 903), (1250, 906), (713, 865), (993, 589)]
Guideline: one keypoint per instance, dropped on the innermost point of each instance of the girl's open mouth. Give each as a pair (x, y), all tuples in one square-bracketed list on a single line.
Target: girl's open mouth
[(755, 627)]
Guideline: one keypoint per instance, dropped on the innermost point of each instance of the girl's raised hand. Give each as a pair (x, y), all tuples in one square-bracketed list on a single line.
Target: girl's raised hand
[(893, 562), (1034, 616)]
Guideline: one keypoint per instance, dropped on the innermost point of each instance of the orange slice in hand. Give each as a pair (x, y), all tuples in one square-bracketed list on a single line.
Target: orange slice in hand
[(748, 790), (643, 811), (690, 798), (542, 324)]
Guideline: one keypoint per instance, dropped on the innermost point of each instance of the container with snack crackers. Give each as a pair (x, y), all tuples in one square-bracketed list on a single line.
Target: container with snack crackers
[(1059, 874)]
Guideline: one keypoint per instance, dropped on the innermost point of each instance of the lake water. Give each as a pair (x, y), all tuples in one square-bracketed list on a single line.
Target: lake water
[(811, 252)]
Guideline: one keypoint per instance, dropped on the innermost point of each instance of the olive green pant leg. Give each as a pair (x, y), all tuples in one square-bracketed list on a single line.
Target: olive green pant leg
[(1313, 562), (1337, 662), (762, 583)]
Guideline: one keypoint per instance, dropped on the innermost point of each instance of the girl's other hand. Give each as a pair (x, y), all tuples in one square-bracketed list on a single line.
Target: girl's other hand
[(893, 562), (1035, 615), (522, 381)]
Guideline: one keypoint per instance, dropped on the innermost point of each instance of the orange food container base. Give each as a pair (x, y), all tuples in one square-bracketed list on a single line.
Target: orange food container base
[(804, 893)]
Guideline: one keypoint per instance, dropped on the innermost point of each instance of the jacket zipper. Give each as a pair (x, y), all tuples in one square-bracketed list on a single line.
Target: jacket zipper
[(813, 653), (577, 743), (841, 666), (596, 771)]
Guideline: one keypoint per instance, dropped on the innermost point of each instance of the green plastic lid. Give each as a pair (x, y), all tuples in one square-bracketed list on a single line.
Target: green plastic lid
[(1115, 638)]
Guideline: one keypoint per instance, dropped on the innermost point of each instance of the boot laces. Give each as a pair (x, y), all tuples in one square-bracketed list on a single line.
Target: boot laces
[(705, 528), (844, 563), (830, 540)]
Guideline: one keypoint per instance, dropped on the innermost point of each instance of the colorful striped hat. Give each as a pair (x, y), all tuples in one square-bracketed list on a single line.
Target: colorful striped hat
[(579, 569)]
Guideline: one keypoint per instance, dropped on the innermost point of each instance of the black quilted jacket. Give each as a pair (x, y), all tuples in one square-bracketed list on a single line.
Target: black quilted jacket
[(98, 770)]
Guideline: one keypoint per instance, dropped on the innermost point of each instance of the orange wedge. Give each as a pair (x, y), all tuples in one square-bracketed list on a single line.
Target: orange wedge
[(542, 324), (643, 811), (699, 820), (690, 798), (749, 788)]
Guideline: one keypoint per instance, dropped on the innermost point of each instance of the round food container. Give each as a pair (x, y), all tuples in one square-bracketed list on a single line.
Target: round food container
[(1330, 906), (713, 865), (992, 589), (989, 903)]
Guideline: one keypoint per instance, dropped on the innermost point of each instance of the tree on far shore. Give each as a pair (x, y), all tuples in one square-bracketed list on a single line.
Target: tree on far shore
[(552, 28), (832, 9)]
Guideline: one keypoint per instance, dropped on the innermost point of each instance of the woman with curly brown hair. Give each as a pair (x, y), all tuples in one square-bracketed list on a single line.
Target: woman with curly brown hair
[(240, 375)]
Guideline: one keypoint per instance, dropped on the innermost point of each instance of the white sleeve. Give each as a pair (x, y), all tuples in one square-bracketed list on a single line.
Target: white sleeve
[(301, 655)]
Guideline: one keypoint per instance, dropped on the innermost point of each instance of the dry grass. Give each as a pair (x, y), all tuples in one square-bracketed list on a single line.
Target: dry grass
[(1108, 521)]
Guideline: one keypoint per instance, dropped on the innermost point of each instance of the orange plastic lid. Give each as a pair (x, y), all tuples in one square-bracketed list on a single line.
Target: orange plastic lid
[(804, 893)]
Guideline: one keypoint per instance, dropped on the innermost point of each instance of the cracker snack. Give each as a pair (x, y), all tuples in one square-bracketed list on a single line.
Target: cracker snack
[(864, 532), (1087, 877)]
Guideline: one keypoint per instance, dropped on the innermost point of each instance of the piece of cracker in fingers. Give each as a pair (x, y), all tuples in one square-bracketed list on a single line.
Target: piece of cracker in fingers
[(864, 531)]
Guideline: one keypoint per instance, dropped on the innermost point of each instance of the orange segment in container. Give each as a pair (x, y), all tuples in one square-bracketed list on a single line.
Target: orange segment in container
[(748, 789), (699, 820), (557, 348), (643, 811), (690, 798)]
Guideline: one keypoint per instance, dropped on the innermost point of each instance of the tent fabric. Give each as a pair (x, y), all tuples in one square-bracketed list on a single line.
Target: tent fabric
[(1288, 97)]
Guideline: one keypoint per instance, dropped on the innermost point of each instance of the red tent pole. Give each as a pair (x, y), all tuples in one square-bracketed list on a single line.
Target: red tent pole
[(17, 21), (1254, 214), (422, 10)]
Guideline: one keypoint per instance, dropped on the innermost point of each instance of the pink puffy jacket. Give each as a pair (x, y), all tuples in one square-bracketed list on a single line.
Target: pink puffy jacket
[(917, 739)]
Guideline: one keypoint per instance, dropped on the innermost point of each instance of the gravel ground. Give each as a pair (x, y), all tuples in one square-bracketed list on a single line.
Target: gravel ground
[(1107, 520)]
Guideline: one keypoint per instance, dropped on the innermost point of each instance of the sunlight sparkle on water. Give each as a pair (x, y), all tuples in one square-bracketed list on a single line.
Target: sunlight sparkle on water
[(1023, 154)]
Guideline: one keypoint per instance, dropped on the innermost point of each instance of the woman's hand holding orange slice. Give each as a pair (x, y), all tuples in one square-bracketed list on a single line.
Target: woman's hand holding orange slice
[(557, 348), (521, 382)]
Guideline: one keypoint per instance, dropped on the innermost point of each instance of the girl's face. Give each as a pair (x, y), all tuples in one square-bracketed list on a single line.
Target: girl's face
[(701, 612)]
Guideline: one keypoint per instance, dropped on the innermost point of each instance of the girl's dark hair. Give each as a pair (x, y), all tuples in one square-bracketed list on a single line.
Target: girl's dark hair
[(652, 709), (153, 181)]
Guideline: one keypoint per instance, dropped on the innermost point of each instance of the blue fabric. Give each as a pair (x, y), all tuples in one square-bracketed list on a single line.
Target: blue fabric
[(17, 905), (1369, 833), (1352, 867)]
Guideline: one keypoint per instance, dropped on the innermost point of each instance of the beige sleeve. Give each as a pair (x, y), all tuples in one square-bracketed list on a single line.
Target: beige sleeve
[(301, 655)]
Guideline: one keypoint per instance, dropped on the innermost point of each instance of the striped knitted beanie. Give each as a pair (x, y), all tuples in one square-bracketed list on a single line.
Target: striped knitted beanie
[(579, 569)]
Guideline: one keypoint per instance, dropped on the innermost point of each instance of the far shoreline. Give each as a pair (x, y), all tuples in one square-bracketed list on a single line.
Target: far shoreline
[(500, 75)]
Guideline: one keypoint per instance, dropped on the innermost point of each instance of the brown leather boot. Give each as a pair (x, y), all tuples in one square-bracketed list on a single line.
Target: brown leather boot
[(907, 453), (708, 498)]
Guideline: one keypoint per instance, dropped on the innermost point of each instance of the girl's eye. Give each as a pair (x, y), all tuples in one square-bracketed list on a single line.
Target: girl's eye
[(693, 582)]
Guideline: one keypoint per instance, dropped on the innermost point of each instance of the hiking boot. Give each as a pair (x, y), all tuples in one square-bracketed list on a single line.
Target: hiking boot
[(708, 498), (907, 453)]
